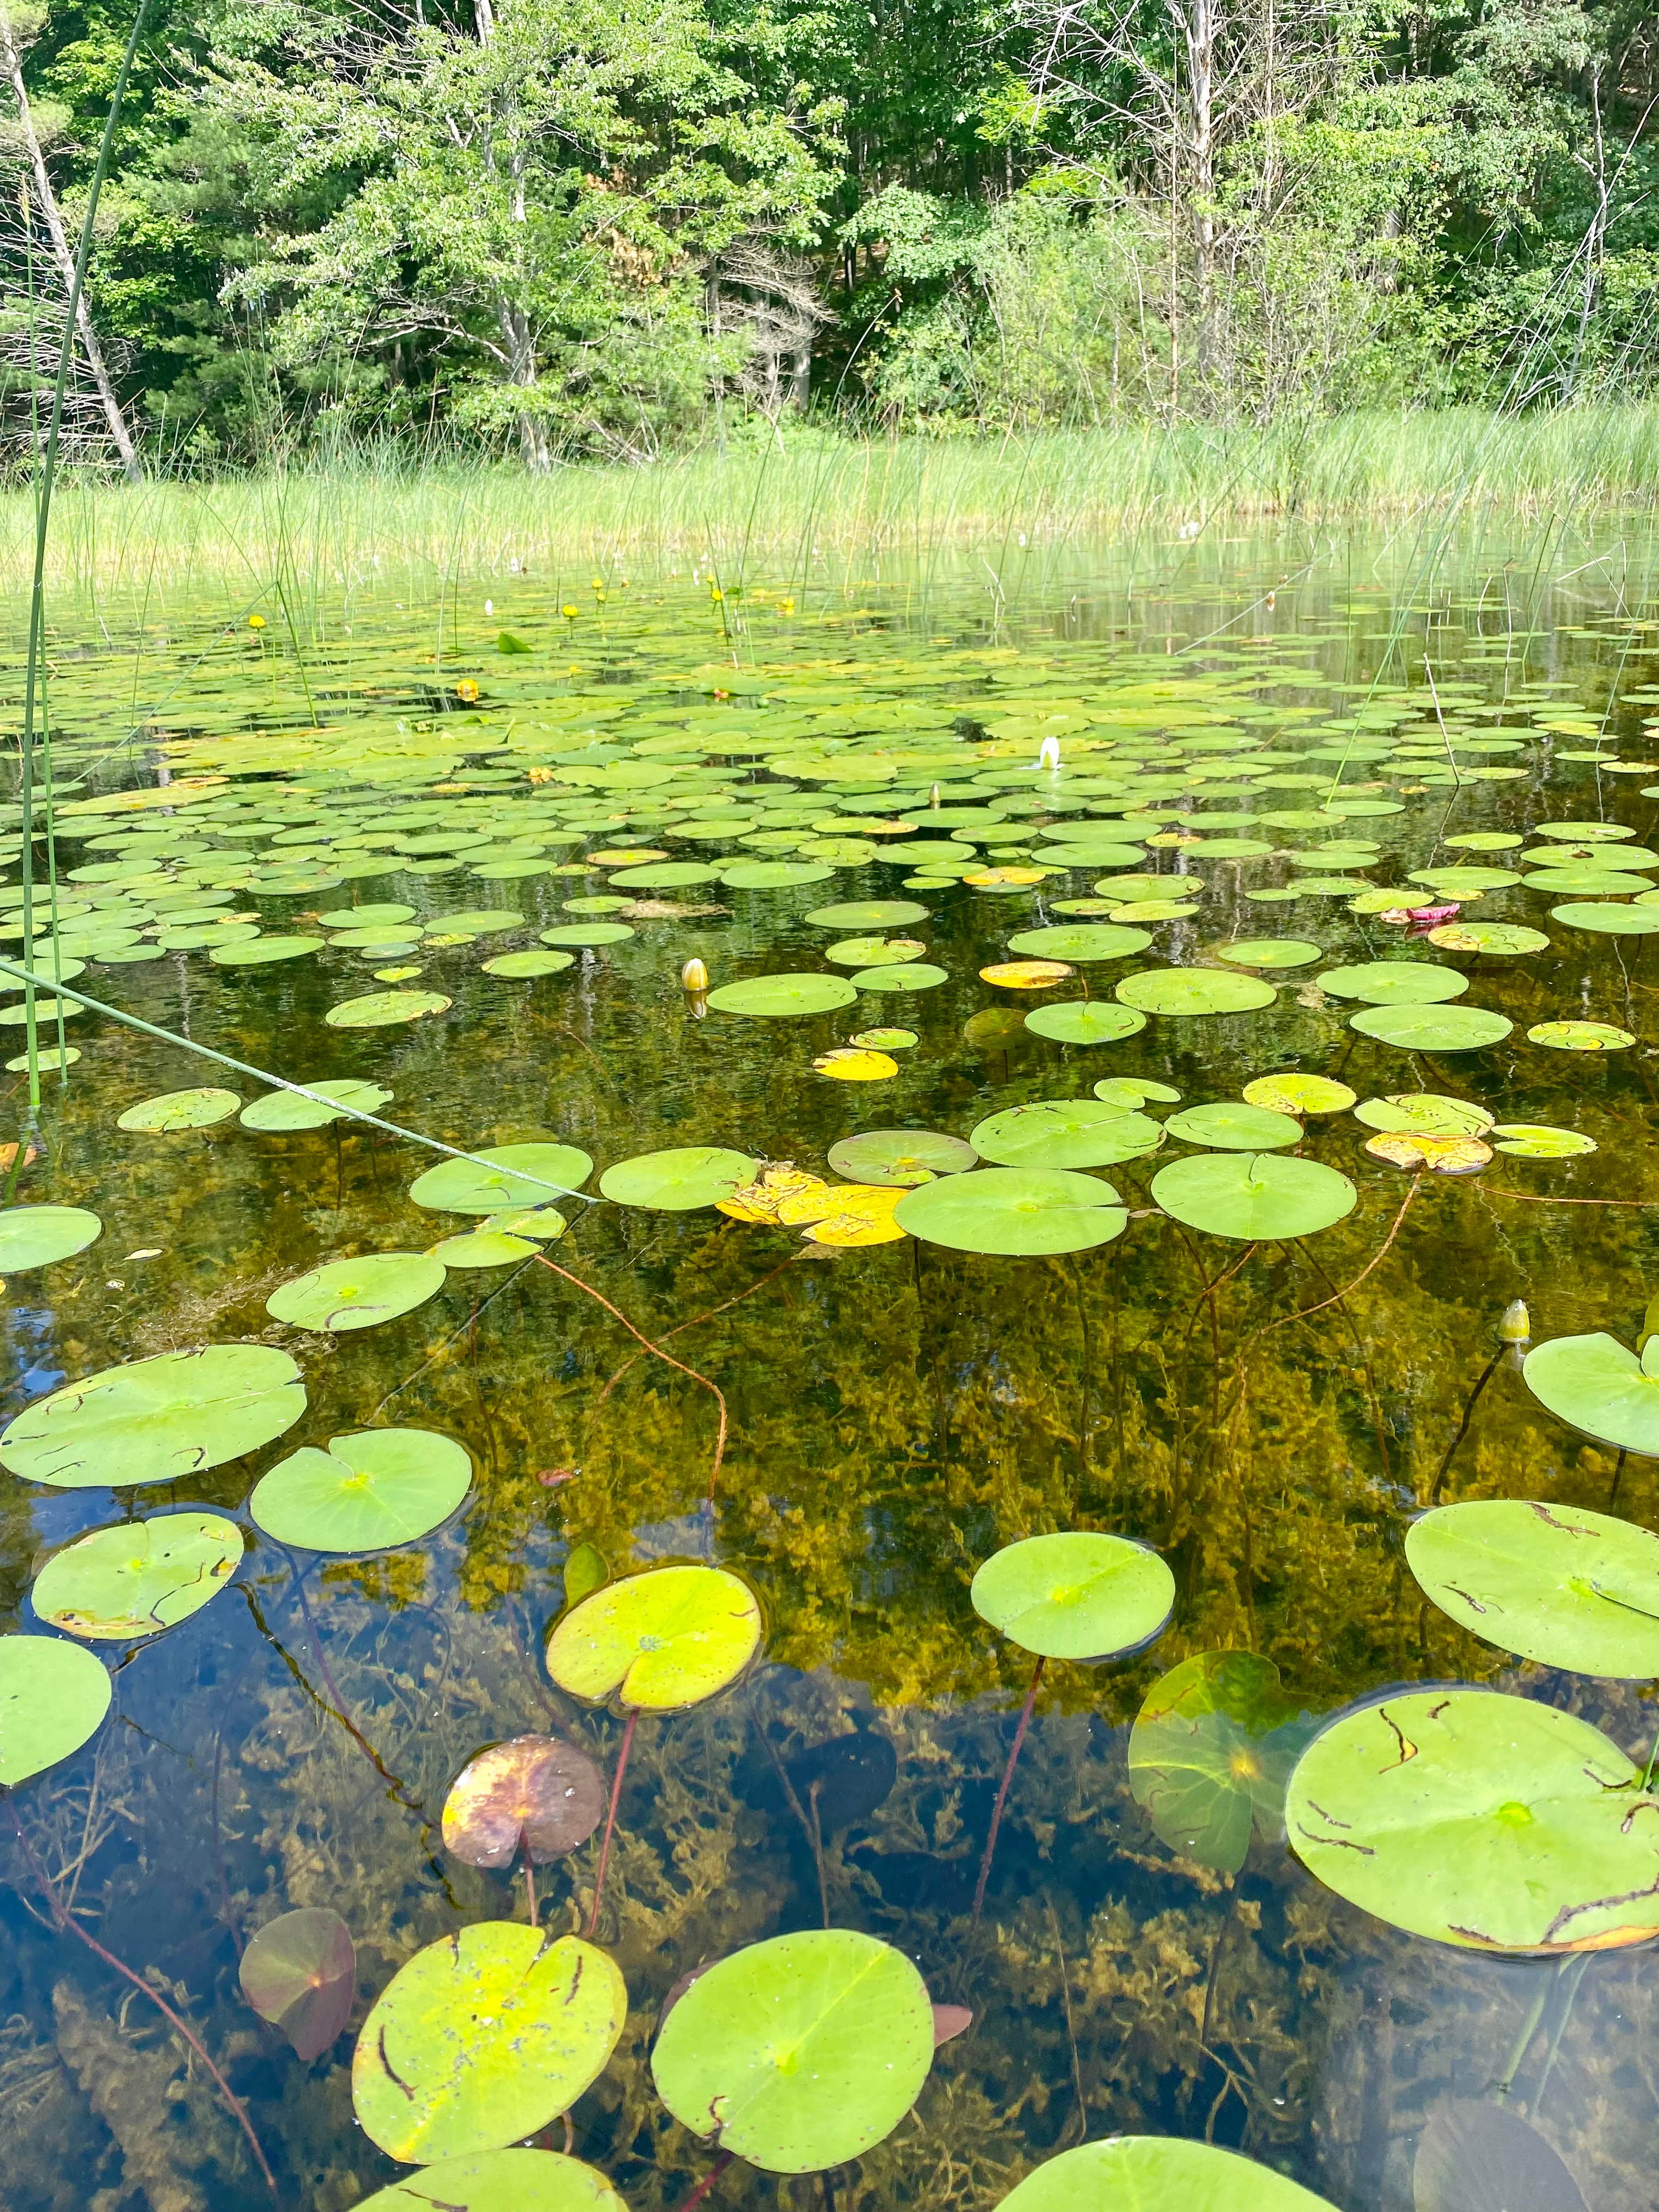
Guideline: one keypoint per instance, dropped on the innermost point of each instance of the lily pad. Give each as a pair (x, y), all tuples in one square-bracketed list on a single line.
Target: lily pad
[(483, 1247), (799, 2053), (53, 1697), (347, 1294), (1254, 1195), (1157, 2174), (1537, 1141), (1478, 2156), (1499, 937), (1605, 918), (524, 967), (1014, 1211), (281, 1113), (263, 951), (1594, 1385), (1076, 1595), (1081, 941), (867, 914), (156, 1421), (1315, 1094), (179, 1109), (1080, 1021), (899, 1156), (533, 1796), (1423, 1114), (1555, 1583), (1394, 983), (1066, 1132), (585, 934), (299, 1973), (1211, 1752), (885, 1040), (1189, 991), (482, 2038), (1269, 952), (1025, 975), (1433, 1028), (36, 1236), (1448, 1156), (899, 975), (1135, 1092), (503, 1176), (516, 2180), (1241, 1128), (138, 1576), (382, 1009), (662, 1640), (775, 875), (1487, 1822), (678, 1181), (1581, 1036), (369, 1492), (777, 997)]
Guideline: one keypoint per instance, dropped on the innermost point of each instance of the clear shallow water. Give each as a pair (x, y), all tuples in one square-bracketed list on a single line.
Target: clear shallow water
[(896, 1411)]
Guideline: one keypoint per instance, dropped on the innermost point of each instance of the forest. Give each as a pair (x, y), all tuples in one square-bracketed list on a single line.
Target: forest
[(618, 229)]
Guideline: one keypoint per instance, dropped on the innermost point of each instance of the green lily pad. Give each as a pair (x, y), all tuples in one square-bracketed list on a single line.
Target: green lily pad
[(348, 1294), (179, 1109), (523, 967), (1607, 919), (1157, 2174), (1537, 1141), (1084, 1021), (482, 2038), (867, 914), (902, 1156), (1289, 1093), (662, 1640), (1269, 952), (138, 1576), (370, 1492), (1134, 1091), (381, 1009), (1254, 1195), (1211, 1752), (280, 1113), (1423, 1114), (1189, 991), (501, 2181), (666, 876), (1080, 941), (263, 951), (477, 921), (1555, 1583), (679, 1180), (897, 976), (1241, 1128), (299, 1973), (1433, 1028), (1583, 833), (779, 997), (1014, 1211), (36, 1236), (776, 875), (156, 1421), (500, 1177), (589, 933), (1508, 937), (1066, 1132), (1594, 1385), (1076, 1595), (885, 1040), (1487, 1822), (1394, 983), (799, 2053), (1581, 1036), (483, 1247), (53, 1697), (384, 915), (874, 951)]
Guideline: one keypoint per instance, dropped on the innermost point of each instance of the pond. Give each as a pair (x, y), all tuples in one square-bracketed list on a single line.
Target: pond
[(822, 1085)]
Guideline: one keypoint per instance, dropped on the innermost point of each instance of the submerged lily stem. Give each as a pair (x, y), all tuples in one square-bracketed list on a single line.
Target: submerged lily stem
[(611, 1817), (1026, 1711), (529, 1876), (1506, 2082), (69, 1926), (707, 2181), (1618, 1477), (1473, 1400)]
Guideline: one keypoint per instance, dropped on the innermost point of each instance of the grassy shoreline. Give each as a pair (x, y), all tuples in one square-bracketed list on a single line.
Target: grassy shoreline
[(796, 505)]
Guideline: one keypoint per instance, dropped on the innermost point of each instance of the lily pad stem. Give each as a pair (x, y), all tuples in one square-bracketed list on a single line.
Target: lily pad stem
[(610, 1818), (529, 1875), (1002, 1794), (1486, 1373), (707, 2181), (69, 1925), (1506, 2082)]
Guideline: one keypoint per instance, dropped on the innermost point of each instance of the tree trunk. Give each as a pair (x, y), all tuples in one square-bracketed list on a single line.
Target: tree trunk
[(1200, 30), (11, 63)]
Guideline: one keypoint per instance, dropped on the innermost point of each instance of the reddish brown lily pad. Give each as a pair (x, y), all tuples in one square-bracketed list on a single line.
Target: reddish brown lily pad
[(532, 1793)]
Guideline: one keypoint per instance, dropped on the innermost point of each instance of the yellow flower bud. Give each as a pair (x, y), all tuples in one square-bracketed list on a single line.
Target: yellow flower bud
[(1515, 1326), (694, 977)]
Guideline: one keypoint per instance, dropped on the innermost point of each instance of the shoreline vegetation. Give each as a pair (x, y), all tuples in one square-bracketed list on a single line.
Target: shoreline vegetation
[(793, 505)]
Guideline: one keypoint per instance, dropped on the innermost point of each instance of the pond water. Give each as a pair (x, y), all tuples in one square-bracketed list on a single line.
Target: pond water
[(1258, 1370)]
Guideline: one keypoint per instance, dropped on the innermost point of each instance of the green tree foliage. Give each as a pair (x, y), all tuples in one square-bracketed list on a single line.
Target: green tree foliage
[(611, 227)]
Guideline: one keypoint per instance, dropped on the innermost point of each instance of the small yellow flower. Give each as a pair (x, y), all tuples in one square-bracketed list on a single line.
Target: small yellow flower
[(256, 621), (785, 606), (467, 691), (715, 592), (569, 611)]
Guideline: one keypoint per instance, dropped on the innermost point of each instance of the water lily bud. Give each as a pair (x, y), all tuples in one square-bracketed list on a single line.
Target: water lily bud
[(933, 797), (1048, 755), (694, 977), (1515, 1326)]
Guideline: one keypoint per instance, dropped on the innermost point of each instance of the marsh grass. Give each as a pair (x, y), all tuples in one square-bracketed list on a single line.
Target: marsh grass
[(792, 504)]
